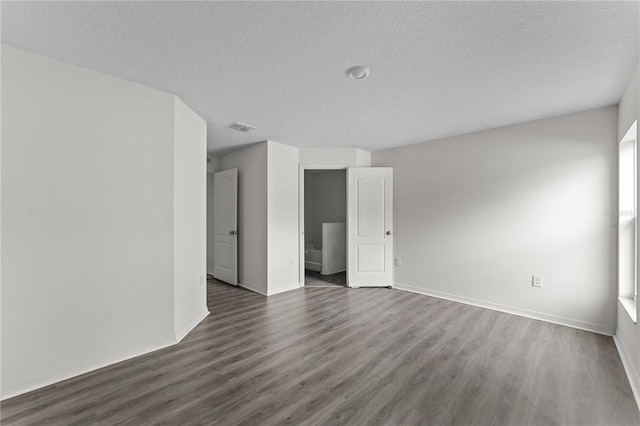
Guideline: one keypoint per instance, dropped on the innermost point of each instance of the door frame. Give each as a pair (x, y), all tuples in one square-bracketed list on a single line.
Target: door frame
[(301, 170)]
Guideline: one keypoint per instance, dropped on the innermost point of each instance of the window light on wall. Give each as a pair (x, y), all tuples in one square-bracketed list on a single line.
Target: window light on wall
[(627, 221)]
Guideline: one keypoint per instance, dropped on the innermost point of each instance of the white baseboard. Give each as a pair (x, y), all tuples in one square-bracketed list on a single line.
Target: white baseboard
[(253, 287), (632, 374), (555, 319), (257, 289), (293, 286), (43, 382), (331, 272), (190, 325), (98, 364)]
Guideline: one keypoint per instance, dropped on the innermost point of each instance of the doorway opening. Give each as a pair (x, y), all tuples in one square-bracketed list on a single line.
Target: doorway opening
[(325, 229)]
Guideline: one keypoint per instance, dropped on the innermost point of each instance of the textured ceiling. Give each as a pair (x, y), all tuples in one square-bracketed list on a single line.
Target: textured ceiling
[(437, 68)]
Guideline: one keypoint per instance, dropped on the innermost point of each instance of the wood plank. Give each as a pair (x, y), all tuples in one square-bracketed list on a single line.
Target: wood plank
[(333, 355)]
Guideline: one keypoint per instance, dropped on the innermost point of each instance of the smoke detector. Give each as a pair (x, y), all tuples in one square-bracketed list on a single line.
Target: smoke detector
[(240, 127), (358, 72)]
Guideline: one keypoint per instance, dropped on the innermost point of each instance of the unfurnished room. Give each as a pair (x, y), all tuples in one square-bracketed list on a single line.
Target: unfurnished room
[(319, 213)]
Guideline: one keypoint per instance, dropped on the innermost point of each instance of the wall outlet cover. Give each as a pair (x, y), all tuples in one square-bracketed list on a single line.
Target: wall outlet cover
[(536, 281)]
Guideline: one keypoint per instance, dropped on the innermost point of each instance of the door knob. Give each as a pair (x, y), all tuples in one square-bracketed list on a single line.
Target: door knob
[(388, 232)]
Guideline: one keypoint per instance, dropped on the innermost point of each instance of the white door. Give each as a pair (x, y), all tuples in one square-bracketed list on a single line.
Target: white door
[(225, 202), (370, 226)]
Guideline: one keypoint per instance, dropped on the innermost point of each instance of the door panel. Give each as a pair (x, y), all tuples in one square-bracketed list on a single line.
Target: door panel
[(371, 206), (225, 252), (370, 226), (371, 258)]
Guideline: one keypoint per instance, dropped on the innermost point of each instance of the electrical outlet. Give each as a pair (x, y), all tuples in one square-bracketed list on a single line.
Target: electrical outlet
[(398, 261), (537, 281)]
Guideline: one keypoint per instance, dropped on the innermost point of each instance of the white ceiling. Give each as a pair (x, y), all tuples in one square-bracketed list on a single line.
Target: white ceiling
[(437, 68)]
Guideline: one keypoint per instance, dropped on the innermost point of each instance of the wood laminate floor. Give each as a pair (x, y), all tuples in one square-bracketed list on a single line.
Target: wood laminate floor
[(339, 356), (316, 279)]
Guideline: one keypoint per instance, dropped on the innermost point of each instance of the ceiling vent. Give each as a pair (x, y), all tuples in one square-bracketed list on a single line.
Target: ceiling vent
[(240, 127)]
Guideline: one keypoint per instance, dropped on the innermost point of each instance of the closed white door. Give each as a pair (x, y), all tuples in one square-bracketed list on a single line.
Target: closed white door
[(225, 250), (370, 226)]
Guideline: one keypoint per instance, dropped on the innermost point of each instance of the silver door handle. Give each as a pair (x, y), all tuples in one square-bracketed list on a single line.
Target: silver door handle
[(388, 232)]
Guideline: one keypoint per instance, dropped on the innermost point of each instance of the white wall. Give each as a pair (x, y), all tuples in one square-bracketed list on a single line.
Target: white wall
[(87, 220), (346, 157), (189, 219), (251, 163), (477, 215), (214, 164), (363, 158), (282, 214), (627, 336), (628, 109), (325, 201), (334, 248)]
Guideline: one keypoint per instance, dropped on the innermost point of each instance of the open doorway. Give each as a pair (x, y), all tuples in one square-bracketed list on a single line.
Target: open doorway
[(325, 234)]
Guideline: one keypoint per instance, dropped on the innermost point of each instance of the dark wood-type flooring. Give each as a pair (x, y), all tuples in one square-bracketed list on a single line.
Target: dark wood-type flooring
[(340, 356), (316, 279)]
